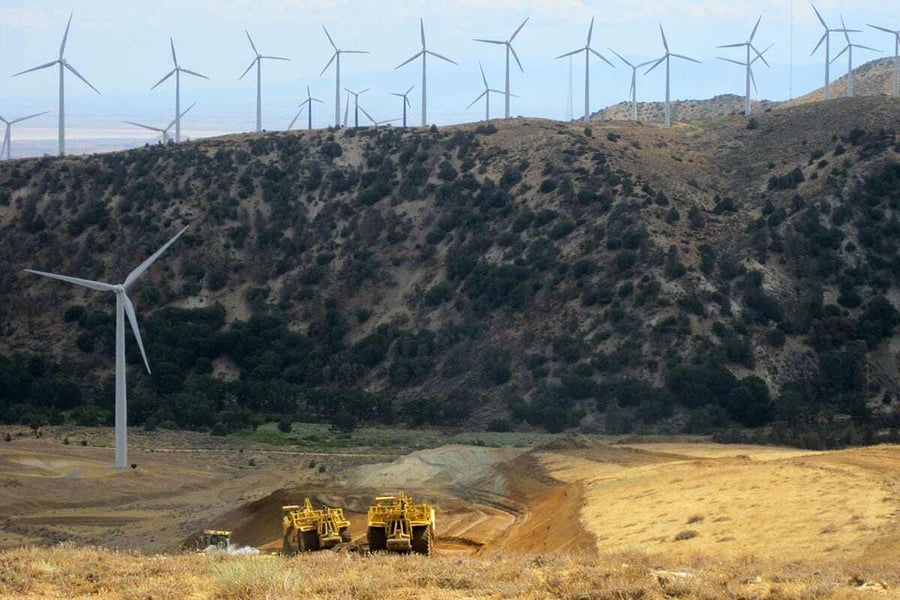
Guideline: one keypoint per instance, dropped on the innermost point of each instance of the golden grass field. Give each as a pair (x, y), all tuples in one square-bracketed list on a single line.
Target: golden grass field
[(577, 518)]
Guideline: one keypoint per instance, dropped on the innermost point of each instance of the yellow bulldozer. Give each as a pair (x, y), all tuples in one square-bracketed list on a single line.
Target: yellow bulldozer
[(307, 529), (396, 524)]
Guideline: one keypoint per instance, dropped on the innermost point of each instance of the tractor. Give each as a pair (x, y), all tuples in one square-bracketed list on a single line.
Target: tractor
[(307, 529), (396, 524)]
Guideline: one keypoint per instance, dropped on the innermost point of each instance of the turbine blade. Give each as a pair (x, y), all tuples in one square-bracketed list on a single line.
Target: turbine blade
[(363, 111), (194, 73), (436, 55), (846, 33), (516, 56), (733, 45), (333, 56), (132, 318), (172, 72), (20, 119), (633, 85), (255, 60), (38, 68), (477, 99), (409, 60), (297, 116), (141, 125), (840, 54), (422, 31), (317, 100), (483, 78), (355, 52), (761, 55), (188, 109), (821, 20), (408, 103), (656, 64), (755, 27), (601, 57), (252, 45), (644, 64), (78, 75), (275, 58), (885, 29), (489, 42), (732, 61), (824, 37), (590, 32), (665, 42), (94, 285), (580, 50), (174, 58), (62, 47), (621, 58), (331, 41), (866, 48), (753, 80), (409, 90), (308, 92), (132, 277), (516, 32), (682, 57)]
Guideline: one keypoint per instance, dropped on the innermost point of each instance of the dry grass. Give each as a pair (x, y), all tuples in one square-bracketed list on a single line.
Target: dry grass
[(75, 572)]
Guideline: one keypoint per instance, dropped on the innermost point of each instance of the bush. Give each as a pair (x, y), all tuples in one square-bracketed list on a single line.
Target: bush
[(499, 425), (284, 425)]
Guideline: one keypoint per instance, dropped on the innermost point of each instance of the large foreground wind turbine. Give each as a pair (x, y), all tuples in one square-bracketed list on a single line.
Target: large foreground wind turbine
[(509, 50), (486, 94), (163, 131), (337, 80), (305, 105), (177, 71), (633, 91), (667, 59), (826, 37), (849, 50), (896, 34), (123, 307), (63, 65), (587, 69), (258, 62), (406, 102), (7, 139), (424, 52), (748, 64)]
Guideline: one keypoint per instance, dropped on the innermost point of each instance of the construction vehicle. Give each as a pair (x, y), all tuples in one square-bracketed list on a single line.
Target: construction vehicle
[(307, 529), (396, 524), (217, 538)]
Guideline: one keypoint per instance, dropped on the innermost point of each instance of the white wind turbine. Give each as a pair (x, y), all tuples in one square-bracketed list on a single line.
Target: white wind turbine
[(587, 69), (7, 139), (163, 131), (177, 71), (486, 94), (849, 50), (258, 62), (356, 107), (337, 81), (633, 91), (63, 65), (123, 307), (509, 50), (826, 37), (896, 34), (305, 105), (667, 59), (424, 52), (406, 102), (748, 64)]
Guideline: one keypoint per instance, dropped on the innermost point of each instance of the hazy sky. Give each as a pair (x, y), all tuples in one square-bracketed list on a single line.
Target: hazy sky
[(121, 46)]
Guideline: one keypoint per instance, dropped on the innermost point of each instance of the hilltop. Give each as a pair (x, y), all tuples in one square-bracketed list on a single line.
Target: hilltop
[(516, 274)]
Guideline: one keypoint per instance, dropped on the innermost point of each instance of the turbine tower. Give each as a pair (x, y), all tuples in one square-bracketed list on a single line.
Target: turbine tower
[(123, 307), (667, 59), (258, 62), (587, 69), (826, 37), (633, 91), (7, 139), (486, 94), (424, 52), (509, 50), (63, 65), (163, 131), (337, 81), (356, 107), (406, 102), (896, 90), (748, 107), (305, 105), (177, 71), (849, 50)]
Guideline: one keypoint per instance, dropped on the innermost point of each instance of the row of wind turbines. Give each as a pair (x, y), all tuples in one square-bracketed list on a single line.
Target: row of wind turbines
[(752, 56)]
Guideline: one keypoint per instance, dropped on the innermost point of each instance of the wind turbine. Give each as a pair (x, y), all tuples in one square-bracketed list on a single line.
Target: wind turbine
[(896, 34), (587, 69), (826, 37), (667, 59), (163, 131), (177, 71), (306, 104), (849, 50), (123, 307), (356, 107), (258, 62), (63, 65), (749, 76), (424, 52), (486, 94), (633, 91), (509, 50), (406, 102), (7, 139), (337, 82)]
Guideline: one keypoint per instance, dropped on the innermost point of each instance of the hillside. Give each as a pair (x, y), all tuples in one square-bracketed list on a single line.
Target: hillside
[(510, 275)]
